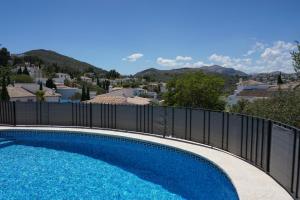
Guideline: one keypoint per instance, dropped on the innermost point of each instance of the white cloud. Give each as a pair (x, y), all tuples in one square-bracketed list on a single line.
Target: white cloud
[(184, 58), (261, 57), (277, 57), (179, 61), (226, 61), (167, 62), (274, 58), (257, 47), (133, 57)]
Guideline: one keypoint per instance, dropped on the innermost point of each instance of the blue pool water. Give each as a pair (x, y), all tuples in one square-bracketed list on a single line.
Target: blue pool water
[(56, 165)]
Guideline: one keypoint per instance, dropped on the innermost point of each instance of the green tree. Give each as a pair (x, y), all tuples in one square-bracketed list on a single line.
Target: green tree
[(4, 93), (17, 60), (195, 90), (112, 74), (25, 71), (41, 86), (83, 94), (296, 58), (40, 95), (19, 71), (22, 78), (4, 57), (105, 85), (50, 84), (88, 94), (279, 79)]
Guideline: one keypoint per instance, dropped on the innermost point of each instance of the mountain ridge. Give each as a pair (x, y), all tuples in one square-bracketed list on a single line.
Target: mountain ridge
[(51, 57), (167, 74)]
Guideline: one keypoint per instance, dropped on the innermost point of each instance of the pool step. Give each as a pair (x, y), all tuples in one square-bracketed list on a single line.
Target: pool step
[(6, 142)]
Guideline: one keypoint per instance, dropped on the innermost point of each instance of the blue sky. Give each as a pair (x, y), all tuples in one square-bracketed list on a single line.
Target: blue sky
[(132, 35)]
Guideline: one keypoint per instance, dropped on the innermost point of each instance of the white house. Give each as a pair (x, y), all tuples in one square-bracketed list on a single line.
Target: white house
[(61, 77), (86, 79)]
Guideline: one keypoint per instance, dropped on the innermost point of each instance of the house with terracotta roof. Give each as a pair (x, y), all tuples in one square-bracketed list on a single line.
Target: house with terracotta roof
[(122, 96), (27, 91), (19, 94)]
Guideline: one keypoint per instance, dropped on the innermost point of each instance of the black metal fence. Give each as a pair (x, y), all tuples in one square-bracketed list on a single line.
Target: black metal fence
[(270, 146)]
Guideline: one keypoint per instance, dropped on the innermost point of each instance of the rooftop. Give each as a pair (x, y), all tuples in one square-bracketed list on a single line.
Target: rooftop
[(17, 92)]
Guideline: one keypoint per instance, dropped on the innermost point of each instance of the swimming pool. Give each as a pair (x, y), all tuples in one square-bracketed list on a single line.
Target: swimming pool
[(66, 165)]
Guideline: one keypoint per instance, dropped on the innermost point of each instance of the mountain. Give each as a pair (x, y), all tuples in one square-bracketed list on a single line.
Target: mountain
[(164, 75), (223, 70), (64, 62)]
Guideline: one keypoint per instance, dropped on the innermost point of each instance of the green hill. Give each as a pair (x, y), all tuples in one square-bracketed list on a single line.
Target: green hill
[(164, 75), (64, 63)]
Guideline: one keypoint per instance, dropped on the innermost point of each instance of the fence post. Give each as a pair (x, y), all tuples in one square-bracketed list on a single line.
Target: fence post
[(173, 120), (293, 165), (36, 113), (242, 135), (185, 128), (298, 167), (223, 127), (270, 124), (115, 116), (165, 121), (190, 124), (227, 130), (72, 114), (14, 111), (136, 117), (208, 136), (91, 116)]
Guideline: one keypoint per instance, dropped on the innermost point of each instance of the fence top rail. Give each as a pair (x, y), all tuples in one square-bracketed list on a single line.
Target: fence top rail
[(178, 107)]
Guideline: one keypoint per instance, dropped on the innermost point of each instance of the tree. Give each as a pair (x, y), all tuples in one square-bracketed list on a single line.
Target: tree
[(40, 95), (19, 71), (4, 57), (83, 95), (4, 93), (17, 60), (25, 71), (98, 82), (195, 90), (279, 80), (41, 86), (105, 85), (50, 84), (88, 94), (112, 74), (22, 78), (296, 58)]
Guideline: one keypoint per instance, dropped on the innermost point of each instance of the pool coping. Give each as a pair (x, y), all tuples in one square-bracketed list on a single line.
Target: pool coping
[(249, 181)]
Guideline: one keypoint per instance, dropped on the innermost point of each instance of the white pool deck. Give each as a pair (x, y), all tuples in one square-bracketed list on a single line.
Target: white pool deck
[(250, 182)]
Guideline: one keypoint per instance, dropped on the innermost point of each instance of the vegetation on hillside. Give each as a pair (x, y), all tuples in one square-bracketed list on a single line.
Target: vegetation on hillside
[(60, 63), (195, 90), (22, 78), (282, 107)]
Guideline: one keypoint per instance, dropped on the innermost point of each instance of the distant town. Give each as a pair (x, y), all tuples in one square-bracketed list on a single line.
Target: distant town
[(30, 75)]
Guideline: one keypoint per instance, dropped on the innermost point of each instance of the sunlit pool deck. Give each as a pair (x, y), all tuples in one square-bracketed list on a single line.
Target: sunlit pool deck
[(249, 181)]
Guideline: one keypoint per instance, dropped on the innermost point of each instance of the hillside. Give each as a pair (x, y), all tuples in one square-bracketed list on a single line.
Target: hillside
[(62, 61), (164, 75)]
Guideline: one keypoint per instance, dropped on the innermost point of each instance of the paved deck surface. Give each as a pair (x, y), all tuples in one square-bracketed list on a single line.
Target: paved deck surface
[(250, 182)]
